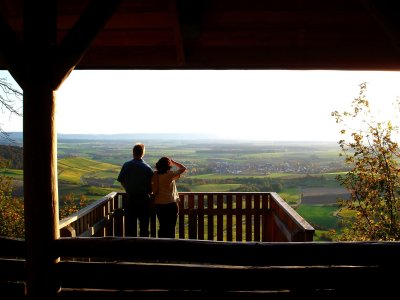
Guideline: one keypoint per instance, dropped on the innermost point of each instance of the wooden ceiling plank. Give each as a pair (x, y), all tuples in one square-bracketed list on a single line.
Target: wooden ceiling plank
[(191, 15), (178, 39), (78, 40), (163, 37), (284, 19), (240, 37), (385, 12), (11, 51)]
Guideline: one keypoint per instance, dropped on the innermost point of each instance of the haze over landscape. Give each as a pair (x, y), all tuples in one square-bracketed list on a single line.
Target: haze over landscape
[(236, 131), (232, 104)]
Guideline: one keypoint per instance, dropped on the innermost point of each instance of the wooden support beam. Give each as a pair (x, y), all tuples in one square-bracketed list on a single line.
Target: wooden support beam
[(189, 21), (385, 12), (180, 49), (78, 40), (40, 147)]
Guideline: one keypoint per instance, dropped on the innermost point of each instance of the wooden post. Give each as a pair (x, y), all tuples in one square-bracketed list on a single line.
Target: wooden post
[(40, 147), (192, 218), (118, 215), (40, 189), (268, 221)]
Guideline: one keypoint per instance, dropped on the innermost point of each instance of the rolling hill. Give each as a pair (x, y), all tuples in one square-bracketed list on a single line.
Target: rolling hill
[(80, 170)]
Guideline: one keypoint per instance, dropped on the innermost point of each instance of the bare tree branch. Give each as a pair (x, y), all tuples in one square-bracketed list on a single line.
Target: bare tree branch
[(11, 101)]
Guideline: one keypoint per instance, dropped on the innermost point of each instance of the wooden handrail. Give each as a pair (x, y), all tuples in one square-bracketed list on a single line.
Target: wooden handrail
[(94, 219)]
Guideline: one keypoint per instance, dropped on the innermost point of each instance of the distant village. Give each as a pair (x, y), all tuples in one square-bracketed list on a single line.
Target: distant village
[(224, 167)]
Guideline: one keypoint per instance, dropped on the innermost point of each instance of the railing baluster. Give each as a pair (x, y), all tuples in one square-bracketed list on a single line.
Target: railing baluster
[(210, 217), (182, 216), (239, 224), (257, 216), (229, 217), (105, 213), (220, 217), (200, 216), (192, 218), (268, 222), (248, 216), (118, 216)]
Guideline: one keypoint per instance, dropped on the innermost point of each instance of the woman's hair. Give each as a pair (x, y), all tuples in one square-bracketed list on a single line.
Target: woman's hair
[(163, 165)]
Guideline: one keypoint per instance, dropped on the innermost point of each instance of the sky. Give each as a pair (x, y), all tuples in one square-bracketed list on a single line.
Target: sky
[(268, 105)]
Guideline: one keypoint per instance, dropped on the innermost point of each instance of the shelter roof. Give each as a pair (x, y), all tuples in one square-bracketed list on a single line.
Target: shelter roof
[(234, 34)]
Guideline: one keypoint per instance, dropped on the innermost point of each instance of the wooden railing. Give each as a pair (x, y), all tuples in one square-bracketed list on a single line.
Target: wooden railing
[(108, 267), (249, 217), (101, 218), (147, 268)]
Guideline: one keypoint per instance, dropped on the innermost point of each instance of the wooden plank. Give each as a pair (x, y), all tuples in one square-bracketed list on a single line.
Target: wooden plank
[(192, 218), (12, 247), (281, 229), (97, 229), (12, 270), (220, 217), (118, 222), (107, 294), (235, 278), (210, 217), (266, 235), (200, 216), (178, 34), (181, 216), (111, 197), (257, 217), (257, 254), (108, 229), (12, 51), (229, 223), (280, 206), (238, 210), (248, 218)]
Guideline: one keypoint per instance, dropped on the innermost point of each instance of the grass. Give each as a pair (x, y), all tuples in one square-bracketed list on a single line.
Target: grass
[(224, 176), (16, 174), (320, 216), (290, 195), (203, 188)]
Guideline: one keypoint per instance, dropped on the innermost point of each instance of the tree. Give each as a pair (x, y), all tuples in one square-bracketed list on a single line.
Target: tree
[(373, 179), (11, 209), (10, 101), (70, 205)]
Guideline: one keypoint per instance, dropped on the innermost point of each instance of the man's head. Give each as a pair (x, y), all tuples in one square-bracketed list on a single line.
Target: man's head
[(138, 150)]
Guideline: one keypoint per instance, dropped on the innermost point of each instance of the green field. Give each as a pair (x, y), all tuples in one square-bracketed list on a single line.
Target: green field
[(73, 170), (15, 174), (320, 216), (206, 188)]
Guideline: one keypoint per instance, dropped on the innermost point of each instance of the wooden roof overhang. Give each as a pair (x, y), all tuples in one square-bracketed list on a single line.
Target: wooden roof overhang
[(43, 41), (222, 34)]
